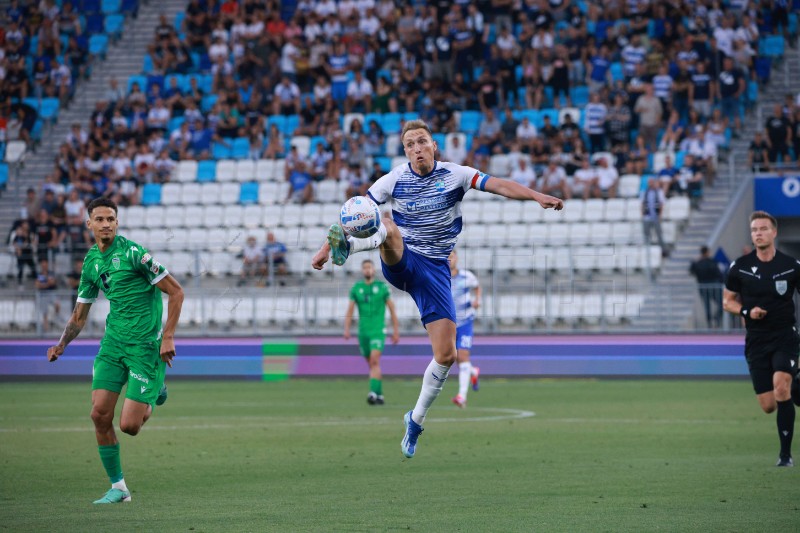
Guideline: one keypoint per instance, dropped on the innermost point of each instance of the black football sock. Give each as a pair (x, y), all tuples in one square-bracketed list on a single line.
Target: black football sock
[(796, 389), (785, 420)]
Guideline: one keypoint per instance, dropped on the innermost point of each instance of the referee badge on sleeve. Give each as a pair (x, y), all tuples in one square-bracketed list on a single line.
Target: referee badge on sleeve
[(781, 286)]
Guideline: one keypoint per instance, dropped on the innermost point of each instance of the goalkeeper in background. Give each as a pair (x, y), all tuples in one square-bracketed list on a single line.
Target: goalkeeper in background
[(372, 297)]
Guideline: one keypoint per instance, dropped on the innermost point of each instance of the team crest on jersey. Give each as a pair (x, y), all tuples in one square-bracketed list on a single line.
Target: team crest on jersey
[(439, 185), (115, 263), (781, 286)]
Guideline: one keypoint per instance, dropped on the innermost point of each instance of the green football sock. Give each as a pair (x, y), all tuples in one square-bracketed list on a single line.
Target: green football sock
[(376, 386), (109, 455)]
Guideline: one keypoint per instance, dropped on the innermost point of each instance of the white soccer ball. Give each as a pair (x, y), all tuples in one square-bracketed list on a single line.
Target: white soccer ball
[(360, 217)]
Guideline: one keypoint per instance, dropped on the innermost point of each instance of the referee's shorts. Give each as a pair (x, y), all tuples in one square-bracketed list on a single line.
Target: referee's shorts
[(770, 352)]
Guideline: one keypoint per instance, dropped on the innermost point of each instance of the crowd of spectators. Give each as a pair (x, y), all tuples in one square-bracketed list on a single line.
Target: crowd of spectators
[(573, 94), (777, 146)]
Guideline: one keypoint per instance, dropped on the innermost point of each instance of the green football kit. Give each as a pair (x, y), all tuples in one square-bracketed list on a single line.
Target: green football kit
[(129, 351), (371, 302)]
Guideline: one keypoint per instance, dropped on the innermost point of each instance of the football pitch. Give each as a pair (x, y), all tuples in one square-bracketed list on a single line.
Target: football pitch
[(311, 455)]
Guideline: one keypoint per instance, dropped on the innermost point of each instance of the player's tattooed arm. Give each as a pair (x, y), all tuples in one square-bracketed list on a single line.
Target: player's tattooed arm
[(71, 331)]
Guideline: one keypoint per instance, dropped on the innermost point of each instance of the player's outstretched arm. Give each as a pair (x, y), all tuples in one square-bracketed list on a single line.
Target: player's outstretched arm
[(515, 191), (170, 286), (321, 257), (73, 328)]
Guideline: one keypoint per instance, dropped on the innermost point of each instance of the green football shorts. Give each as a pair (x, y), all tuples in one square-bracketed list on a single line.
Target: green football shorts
[(367, 343), (139, 366)]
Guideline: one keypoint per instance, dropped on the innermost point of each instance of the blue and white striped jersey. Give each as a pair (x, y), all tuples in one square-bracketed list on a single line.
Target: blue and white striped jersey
[(595, 118), (461, 286), (427, 209)]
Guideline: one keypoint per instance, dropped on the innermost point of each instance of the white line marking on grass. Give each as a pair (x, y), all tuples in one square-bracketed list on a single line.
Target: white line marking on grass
[(256, 422)]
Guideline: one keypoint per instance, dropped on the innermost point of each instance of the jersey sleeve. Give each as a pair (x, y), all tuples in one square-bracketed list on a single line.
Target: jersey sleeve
[(732, 281), (381, 190), (87, 289), (146, 265), (353, 293), (387, 293), (473, 178)]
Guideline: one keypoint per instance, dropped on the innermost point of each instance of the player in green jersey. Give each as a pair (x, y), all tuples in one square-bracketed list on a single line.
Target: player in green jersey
[(134, 349), (372, 297)]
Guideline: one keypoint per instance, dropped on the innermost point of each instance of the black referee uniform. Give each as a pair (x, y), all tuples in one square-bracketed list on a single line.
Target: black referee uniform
[(772, 342)]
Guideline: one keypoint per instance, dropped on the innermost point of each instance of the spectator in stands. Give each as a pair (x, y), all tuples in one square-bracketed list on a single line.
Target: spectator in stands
[(653, 201), (300, 188), (607, 178), (637, 157), (287, 97), (585, 180), (31, 204), (359, 94), (356, 179), (596, 114), (730, 86), (702, 89), (779, 135), (276, 146), (490, 131), (274, 253), (598, 69), (44, 235), (75, 209), (252, 261), (716, 127), (455, 152), (319, 162), (709, 283), (525, 133), (374, 139), (758, 154), (673, 133), (689, 180), (158, 117), (650, 112), (23, 243), (46, 285), (523, 173), (554, 179), (667, 175)]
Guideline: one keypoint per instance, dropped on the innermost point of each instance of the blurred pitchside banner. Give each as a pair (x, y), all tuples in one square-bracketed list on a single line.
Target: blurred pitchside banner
[(778, 195), (272, 359)]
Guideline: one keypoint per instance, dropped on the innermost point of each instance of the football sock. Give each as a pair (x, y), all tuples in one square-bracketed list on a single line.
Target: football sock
[(370, 243), (109, 455), (375, 386), (796, 390), (785, 421), (464, 373), (432, 383)]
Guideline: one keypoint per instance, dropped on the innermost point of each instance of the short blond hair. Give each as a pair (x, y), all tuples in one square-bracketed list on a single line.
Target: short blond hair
[(415, 124)]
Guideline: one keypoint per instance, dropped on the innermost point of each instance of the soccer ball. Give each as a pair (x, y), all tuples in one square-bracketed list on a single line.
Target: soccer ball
[(360, 217)]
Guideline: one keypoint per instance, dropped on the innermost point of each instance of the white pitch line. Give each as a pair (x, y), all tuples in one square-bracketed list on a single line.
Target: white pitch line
[(271, 422)]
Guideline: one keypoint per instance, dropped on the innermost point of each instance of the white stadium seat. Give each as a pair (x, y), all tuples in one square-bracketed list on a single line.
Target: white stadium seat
[(246, 170), (393, 144), (677, 208), (171, 193), (229, 193), (303, 144), (213, 216), (210, 193), (191, 192), (156, 216), (573, 112), (329, 191), (252, 216), (614, 209), (348, 120), (133, 217), (580, 233), (233, 215), (185, 170), (630, 185), (492, 212), (513, 212), (226, 170), (192, 216), (265, 169), (573, 210), (594, 210)]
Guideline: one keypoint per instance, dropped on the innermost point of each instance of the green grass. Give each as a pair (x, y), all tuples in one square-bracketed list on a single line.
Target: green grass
[(313, 456)]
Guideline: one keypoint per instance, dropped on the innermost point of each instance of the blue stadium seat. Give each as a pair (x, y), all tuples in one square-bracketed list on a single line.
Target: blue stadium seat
[(221, 150), (616, 71), (151, 194), (175, 123), (240, 148), (248, 193), (136, 78), (182, 82), (386, 162), (291, 124), (412, 115), (32, 102), (470, 121), (3, 175), (147, 64), (178, 22), (440, 140), (109, 7), (208, 102), (206, 171), (98, 45), (315, 140), (390, 122), (49, 109), (278, 120), (552, 113), (114, 24), (579, 94)]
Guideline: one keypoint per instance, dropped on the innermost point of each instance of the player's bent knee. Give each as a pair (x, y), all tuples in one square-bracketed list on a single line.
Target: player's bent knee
[(101, 418), (130, 428)]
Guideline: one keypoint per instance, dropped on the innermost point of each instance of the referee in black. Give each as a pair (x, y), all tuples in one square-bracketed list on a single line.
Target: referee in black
[(760, 287)]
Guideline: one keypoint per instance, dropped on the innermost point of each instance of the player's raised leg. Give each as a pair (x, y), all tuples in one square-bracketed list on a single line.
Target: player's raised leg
[(103, 404)]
